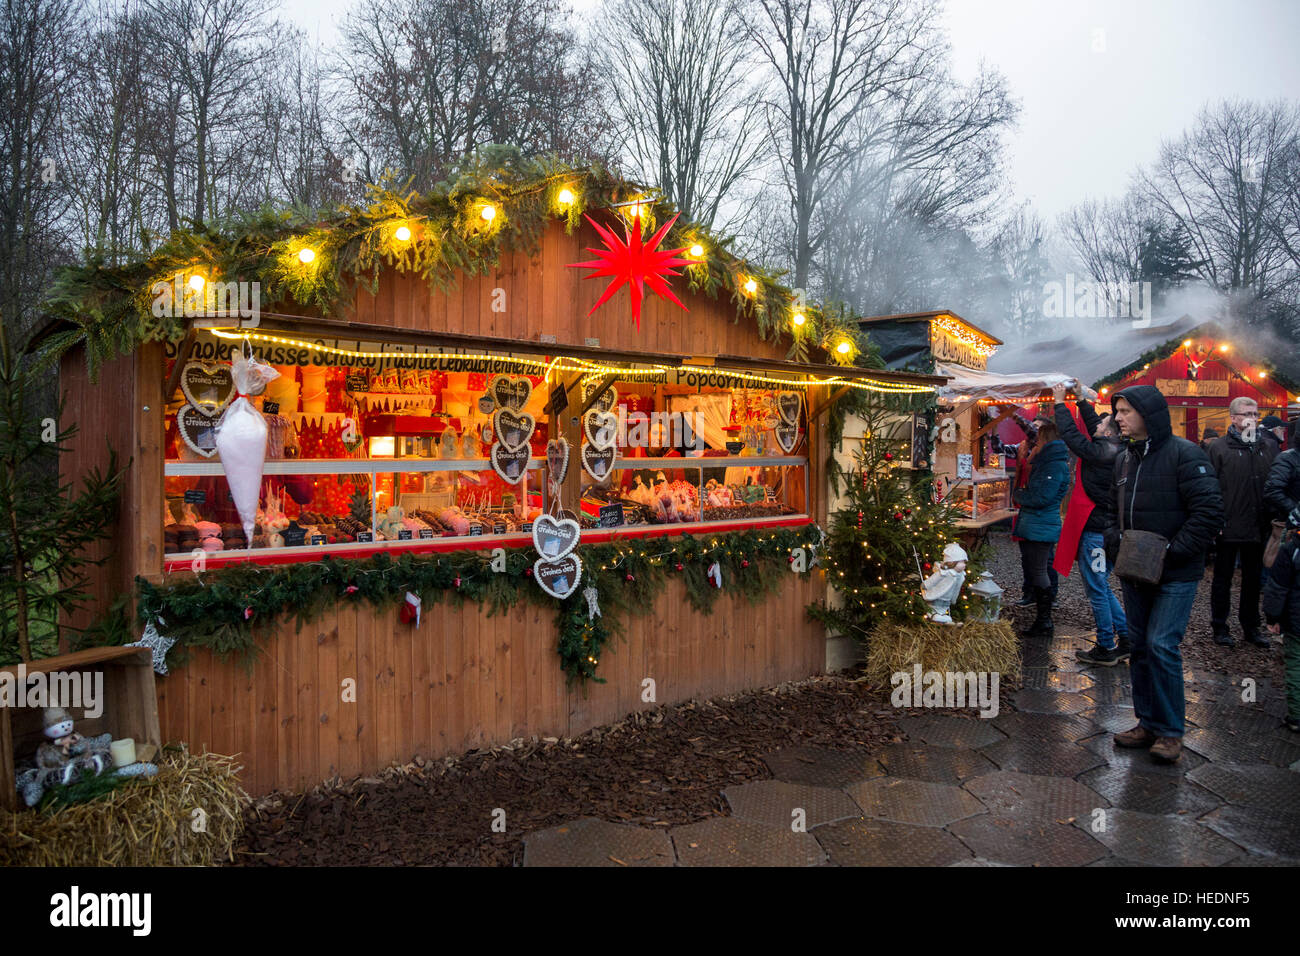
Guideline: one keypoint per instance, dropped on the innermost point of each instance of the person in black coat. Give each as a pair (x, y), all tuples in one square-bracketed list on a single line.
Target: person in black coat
[(1096, 452), (1282, 489), (1164, 485), (1282, 610), (1242, 459)]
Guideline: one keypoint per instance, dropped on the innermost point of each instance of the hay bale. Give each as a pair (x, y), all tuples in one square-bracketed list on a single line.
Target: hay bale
[(148, 822), (988, 646)]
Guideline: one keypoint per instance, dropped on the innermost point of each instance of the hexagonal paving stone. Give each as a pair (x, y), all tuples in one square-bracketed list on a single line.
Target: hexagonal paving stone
[(944, 730), (914, 801), (1069, 642), (592, 842), (1028, 841), (1049, 678), (774, 802), (1045, 726), (1139, 758), (820, 767), (1266, 788), (935, 764), (726, 841), (1117, 861), (865, 842), (1241, 719), (1050, 702), (1262, 832), (1269, 703), (1010, 794), (1053, 758), (1112, 718), (1161, 840), (1150, 792), (1109, 693), (978, 861), (1225, 746)]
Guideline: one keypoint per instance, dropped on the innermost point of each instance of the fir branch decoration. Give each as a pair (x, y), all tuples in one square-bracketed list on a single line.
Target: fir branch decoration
[(226, 608)]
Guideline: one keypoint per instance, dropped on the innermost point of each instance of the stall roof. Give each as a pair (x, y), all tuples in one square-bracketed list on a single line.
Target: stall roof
[(926, 316), (1091, 357), (969, 385)]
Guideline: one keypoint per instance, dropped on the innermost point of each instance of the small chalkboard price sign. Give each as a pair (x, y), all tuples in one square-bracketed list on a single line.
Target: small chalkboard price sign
[(318, 539), (294, 536), (735, 447), (527, 527), (426, 533), (357, 382), (476, 531), (499, 528), (404, 534), (196, 496), (611, 515), (365, 537)]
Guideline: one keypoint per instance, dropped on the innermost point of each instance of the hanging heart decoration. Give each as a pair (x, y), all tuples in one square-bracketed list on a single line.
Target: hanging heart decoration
[(557, 459), (787, 436), (789, 404), (511, 392), (607, 399), (207, 387), (559, 578), (510, 465), (598, 462), (197, 429), (554, 538), (601, 428), (513, 429)]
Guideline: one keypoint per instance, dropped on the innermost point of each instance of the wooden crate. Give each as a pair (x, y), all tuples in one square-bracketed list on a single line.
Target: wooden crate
[(130, 707)]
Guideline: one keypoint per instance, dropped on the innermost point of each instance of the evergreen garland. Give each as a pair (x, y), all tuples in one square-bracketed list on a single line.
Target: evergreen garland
[(221, 609), (111, 308)]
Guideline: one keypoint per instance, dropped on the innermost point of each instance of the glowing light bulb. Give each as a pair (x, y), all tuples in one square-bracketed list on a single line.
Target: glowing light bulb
[(697, 251), (844, 347), (489, 212), (565, 197), (799, 319), (1187, 343), (306, 255), (1223, 347), (402, 234), (196, 283), (751, 286)]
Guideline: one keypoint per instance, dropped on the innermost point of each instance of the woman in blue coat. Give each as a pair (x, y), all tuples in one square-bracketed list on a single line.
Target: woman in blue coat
[(1038, 524)]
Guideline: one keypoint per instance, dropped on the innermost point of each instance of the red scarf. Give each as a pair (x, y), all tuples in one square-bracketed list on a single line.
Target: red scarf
[(1076, 515)]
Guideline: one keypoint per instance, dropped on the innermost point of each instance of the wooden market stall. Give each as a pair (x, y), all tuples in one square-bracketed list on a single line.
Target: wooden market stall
[(1201, 371), (417, 430)]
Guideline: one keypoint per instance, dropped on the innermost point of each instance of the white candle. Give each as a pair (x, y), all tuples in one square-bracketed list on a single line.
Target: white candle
[(123, 751)]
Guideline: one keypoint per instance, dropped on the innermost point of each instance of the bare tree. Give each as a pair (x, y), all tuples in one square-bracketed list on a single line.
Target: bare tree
[(682, 93), (35, 67), (1224, 184)]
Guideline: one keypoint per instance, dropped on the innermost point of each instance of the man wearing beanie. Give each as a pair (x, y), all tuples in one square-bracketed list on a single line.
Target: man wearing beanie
[(1274, 430), (1165, 486)]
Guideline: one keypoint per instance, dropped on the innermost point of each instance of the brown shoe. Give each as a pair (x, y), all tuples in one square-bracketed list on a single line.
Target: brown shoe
[(1139, 736), (1167, 749)]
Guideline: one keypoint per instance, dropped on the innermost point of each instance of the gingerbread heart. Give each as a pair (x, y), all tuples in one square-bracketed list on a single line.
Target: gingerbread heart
[(557, 459), (598, 462), (559, 578), (511, 392), (601, 428), (789, 404), (208, 388), (787, 436), (607, 400), (554, 538), (198, 430), (513, 429), (511, 465)]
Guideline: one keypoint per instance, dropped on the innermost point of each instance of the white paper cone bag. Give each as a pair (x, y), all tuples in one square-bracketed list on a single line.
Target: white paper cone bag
[(241, 438)]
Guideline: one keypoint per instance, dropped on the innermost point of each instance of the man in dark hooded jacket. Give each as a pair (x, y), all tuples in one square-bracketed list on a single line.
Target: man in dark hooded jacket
[(1282, 489), (1164, 485)]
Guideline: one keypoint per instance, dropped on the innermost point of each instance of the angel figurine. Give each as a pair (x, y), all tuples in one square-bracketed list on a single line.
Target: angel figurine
[(943, 587)]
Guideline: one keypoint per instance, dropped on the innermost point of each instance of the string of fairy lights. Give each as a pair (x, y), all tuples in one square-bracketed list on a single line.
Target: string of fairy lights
[(588, 369)]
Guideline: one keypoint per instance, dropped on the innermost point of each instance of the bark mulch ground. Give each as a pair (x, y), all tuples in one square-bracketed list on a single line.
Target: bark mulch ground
[(662, 767)]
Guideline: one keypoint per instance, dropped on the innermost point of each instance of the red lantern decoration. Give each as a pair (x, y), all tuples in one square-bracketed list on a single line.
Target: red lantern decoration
[(639, 264)]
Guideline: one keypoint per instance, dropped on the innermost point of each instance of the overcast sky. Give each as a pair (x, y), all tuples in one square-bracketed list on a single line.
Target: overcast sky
[(1101, 82)]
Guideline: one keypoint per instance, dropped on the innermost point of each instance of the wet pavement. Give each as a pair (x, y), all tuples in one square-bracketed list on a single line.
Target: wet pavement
[(1041, 784)]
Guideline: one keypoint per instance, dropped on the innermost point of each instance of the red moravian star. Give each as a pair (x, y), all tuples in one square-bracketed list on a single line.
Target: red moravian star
[(639, 264)]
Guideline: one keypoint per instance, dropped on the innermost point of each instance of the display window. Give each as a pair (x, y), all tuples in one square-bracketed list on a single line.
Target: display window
[(367, 449)]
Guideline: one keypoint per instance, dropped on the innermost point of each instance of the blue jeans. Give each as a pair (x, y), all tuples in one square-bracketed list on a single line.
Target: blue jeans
[(1106, 609), (1157, 618)]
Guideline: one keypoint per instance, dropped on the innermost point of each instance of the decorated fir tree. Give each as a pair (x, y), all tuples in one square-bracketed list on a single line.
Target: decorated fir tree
[(888, 534)]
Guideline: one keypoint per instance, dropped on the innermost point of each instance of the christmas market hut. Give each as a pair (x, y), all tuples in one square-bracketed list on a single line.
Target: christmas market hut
[(1201, 371), (404, 482)]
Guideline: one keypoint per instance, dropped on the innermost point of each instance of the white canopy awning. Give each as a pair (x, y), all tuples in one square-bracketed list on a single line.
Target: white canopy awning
[(968, 384)]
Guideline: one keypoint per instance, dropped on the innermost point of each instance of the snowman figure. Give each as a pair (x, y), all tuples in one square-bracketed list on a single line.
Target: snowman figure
[(943, 587)]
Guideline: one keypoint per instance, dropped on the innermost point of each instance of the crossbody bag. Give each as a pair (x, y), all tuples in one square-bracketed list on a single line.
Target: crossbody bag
[(1141, 553)]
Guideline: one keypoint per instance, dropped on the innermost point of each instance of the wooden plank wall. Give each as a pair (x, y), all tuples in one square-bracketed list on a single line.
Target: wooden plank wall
[(464, 680)]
